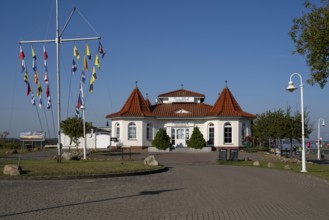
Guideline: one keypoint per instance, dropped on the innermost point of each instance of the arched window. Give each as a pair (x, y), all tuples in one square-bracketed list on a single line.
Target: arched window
[(227, 133), (211, 134), (117, 129), (132, 130), (149, 131)]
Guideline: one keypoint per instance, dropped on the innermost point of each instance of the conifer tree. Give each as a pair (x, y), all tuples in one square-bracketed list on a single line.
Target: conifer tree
[(197, 141), (161, 140)]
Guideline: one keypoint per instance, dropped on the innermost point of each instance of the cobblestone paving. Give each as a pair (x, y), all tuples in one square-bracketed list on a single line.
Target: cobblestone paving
[(193, 188)]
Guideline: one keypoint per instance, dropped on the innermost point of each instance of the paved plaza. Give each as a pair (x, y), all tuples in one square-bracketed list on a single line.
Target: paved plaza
[(194, 187)]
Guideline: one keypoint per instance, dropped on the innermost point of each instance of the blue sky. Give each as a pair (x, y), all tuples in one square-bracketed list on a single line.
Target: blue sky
[(161, 44)]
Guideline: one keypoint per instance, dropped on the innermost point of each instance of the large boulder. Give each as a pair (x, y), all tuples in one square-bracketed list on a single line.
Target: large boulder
[(12, 170), (70, 156), (151, 161), (270, 165), (256, 163)]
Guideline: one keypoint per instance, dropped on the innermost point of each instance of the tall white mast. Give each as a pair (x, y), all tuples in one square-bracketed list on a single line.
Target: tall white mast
[(58, 41)]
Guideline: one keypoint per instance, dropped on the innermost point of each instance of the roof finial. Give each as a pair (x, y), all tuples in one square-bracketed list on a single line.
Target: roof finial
[(147, 95), (181, 86), (226, 83), (136, 83)]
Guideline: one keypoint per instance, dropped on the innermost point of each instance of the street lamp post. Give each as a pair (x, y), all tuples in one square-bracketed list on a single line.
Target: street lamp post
[(323, 124), (291, 87), (84, 131)]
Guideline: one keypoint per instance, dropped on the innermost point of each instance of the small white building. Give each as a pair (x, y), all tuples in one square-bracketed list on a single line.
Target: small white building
[(99, 138), (224, 125)]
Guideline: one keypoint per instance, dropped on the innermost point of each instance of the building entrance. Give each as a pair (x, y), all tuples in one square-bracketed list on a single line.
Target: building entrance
[(179, 137)]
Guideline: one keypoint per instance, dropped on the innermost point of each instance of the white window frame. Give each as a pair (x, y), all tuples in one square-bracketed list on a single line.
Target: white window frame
[(228, 133), (211, 126), (132, 131), (149, 131), (117, 130)]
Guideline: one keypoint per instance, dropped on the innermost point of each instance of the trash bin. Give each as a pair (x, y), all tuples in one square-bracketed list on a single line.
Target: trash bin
[(222, 154), (234, 155)]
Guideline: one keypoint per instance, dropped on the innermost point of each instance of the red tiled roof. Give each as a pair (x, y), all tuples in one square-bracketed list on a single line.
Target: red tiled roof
[(148, 102), (182, 93), (227, 106), (135, 106), (189, 110)]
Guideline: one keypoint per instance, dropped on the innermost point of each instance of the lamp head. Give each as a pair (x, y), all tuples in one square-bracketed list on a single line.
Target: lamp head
[(323, 124), (82, 107), (291, 87)]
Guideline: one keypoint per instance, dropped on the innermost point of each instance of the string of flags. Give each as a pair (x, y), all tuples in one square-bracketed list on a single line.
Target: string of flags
[(85, 69), (76, 57)]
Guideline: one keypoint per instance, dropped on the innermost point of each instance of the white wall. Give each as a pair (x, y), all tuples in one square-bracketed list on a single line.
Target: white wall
[(141, 125), (93, 141)]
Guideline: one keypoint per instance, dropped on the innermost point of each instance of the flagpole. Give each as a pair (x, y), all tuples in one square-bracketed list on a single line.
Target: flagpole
[(58, 40)]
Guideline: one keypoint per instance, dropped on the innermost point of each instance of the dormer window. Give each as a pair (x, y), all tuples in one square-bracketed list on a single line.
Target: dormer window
[(182, 111)]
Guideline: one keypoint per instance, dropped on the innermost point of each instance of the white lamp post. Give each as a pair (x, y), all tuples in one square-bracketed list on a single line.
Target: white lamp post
[(291, 88), (323, 124), (84, 131)]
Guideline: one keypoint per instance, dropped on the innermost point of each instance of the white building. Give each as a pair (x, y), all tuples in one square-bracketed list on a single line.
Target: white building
[(98, 139), (224, 125)]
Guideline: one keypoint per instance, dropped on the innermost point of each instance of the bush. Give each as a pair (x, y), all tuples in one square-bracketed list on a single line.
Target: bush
[(196, 141), (161, 140), (11, 145)]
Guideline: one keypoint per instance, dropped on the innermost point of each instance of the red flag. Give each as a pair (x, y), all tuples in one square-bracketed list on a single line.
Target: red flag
[(21, 53), (47, 91), (28, 90), (79, 101), (45, 55)]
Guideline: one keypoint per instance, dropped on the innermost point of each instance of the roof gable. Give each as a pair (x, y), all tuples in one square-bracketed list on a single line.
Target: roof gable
[(182, 93), (226, 105), (135, 106)]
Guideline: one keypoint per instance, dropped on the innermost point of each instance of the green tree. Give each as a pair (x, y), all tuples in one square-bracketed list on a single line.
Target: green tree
[(196, 141), (73, 128), (161, 140), (310, 35), (278, 125)]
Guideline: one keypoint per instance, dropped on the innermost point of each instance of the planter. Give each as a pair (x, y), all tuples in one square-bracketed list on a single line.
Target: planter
[(156, 150), (204, 149)]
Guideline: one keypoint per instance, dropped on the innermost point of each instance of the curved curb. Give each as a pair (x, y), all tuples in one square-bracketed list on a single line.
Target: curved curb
[(71, 177)]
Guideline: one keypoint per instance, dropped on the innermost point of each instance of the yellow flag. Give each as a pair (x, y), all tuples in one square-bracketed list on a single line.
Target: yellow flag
[(97, 63), (88, 51), (85, 63), (93, 76), (33, 54), (76, 52), (39, 90)]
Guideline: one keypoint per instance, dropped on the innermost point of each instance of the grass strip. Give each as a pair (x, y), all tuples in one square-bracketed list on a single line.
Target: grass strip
[(318, 170)]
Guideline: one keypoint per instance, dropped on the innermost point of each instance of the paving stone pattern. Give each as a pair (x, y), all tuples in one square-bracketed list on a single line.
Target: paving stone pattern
[(194, 187)]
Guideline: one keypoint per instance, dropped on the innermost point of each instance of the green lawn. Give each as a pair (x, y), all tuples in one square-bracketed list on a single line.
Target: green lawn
[(77, 167), (321, 171)]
